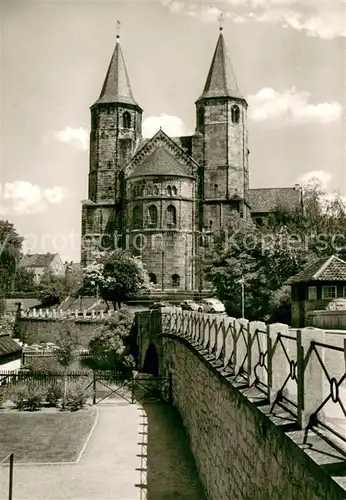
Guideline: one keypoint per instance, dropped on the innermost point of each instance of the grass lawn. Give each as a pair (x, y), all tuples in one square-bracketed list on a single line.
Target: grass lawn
[(44, 436)]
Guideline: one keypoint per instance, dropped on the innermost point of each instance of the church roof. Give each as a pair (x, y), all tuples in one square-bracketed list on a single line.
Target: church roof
[(266, 200), (116, 87), (221, 80), (160, 162), (160, 155)]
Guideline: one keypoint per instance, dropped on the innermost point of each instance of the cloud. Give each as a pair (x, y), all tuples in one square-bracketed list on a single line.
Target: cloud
[(320, 178), (171, 125), (25, 198), (291, 107), (77, 137), (318, 19)]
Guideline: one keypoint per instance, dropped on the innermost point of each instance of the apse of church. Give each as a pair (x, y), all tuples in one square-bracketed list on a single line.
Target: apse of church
[(156, 196)]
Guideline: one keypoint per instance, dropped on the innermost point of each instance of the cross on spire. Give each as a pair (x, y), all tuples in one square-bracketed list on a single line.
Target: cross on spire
[(221, 19), (118, 29)]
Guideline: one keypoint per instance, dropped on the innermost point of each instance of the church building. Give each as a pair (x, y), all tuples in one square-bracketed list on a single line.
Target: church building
[(157, 196)]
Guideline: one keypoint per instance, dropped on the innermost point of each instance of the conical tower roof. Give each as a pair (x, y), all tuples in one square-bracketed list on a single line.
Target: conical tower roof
[(116, 87), (221, 80)]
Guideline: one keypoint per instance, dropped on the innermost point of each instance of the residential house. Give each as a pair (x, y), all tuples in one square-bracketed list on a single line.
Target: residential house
[(10, 354), (41, 263), (313, 288)]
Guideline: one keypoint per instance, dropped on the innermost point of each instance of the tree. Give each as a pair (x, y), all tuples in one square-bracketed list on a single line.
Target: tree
[(267, 256), (112, 346), (67, 343), (24, 280), (116, 276), (51, 289), (10, 254)]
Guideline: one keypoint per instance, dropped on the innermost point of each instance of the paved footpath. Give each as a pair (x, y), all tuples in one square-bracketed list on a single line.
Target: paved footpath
[(134, 453)]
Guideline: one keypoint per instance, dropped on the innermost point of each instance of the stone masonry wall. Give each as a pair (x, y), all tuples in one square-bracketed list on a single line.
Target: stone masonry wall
[(35, 331), (240, 453)]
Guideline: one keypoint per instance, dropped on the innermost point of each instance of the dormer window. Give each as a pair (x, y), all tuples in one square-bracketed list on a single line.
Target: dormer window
[(235, 114), (126, 119)]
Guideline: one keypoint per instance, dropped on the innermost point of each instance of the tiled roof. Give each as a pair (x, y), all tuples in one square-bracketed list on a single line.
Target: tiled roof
[(323, 269), (8, 345), (116, 87), (221, 80), (38, 259), (266, 200), (160, 162)]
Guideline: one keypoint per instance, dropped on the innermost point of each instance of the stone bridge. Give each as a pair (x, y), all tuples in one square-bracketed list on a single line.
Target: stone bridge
[(262, 405)]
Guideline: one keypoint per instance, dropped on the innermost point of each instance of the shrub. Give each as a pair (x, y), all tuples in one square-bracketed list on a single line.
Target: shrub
[(18, 394), (35, 397), (25, 397), (75, 396), (54, 394)]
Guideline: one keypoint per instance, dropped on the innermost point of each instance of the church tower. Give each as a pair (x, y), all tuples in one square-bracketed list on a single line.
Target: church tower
[(221, 142), (116, 129)]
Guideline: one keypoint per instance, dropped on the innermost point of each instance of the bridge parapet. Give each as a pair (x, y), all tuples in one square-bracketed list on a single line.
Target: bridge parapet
[(55, 314), (300, 370)]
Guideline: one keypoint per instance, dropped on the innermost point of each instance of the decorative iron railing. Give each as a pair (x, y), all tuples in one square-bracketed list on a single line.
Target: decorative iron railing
[(286, 365)]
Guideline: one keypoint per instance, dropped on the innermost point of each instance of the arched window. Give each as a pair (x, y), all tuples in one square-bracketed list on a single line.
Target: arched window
[(137, 217), (126, 119), (169, 190), (150, 190), (152, 213), (156, 190), (141, 190), (152, 278), (171, 215), (175, 280), (174, 191), (235, 114)]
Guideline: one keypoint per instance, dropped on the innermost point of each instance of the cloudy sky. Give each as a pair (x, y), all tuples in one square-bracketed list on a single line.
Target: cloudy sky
[(289, 58)]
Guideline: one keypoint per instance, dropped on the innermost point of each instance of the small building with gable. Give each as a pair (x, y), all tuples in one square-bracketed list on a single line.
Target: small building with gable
[(315, 287)]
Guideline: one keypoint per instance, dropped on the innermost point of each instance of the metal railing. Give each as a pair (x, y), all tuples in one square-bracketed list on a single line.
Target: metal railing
[(10, 459), (287, 365)]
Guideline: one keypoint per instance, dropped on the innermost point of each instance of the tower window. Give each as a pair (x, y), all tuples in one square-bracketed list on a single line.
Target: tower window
[(152, 213), (175, 280), (156, 190), (126, 119), (235, 114), (174, 191), (137, 217), (169, 190), (171, 215), (216, 189)]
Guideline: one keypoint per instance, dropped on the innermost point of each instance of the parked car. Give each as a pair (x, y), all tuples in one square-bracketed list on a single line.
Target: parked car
[(159, 305), (213, 306), (190, 305)]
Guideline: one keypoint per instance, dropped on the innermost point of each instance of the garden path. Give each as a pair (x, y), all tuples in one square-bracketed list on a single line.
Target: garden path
[(134, 453)]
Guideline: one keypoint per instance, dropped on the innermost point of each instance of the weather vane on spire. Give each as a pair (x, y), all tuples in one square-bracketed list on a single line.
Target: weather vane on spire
[(118, 29), (221, 19)]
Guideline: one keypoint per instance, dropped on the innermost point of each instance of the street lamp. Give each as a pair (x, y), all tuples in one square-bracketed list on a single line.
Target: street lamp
[(242, 283)]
